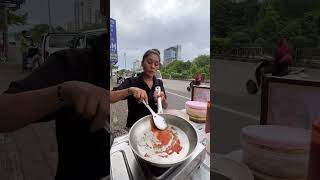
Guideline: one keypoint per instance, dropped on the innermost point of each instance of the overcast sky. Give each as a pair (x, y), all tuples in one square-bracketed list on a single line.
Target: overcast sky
[(145, 24), (61, 12)]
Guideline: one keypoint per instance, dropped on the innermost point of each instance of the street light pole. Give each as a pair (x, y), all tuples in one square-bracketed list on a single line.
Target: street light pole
[(49, 13), (125, 61)]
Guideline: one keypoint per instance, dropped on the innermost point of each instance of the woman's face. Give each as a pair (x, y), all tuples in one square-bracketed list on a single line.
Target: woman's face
[(151, 64)]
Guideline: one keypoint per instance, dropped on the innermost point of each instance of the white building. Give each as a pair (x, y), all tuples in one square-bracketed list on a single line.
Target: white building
[(69, 26), (172, 53), (136, 65), (84, 13)]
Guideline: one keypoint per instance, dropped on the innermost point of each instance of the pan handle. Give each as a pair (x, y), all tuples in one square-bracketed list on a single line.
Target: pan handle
[(159, 103)]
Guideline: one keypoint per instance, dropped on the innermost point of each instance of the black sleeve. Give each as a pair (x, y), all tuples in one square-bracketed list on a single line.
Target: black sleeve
[(50, 74)]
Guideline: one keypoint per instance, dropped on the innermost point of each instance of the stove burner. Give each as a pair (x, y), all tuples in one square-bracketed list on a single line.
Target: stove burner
[(156, 172), (125, 165)]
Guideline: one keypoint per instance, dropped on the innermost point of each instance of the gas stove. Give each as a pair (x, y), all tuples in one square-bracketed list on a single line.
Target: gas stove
[(125, 165)]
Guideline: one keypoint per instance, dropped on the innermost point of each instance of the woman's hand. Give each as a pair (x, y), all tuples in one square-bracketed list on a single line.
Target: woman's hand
[(91, 101), (139, 94), (162, 95), (163, 99)]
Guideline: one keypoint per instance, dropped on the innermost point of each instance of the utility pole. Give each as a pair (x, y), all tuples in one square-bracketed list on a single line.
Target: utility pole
[(49, 13), (125, 62)]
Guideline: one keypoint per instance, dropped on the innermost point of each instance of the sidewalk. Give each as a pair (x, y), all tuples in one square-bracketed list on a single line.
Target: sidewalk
[(31, 152), (119, 112)]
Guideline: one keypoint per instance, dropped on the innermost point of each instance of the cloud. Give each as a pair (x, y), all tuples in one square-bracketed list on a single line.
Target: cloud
[(61, 12), (145, 24)]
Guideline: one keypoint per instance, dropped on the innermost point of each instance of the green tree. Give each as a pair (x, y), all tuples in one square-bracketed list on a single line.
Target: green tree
[(17, 18), (121, 72), (292, 29), (114, 67), (221, 18), (240, 38), (259, 42), (269, 23), (38, 30), (88, 27), (298, 41), (201, 60), (179, 69), (218, 45), (59, 29)]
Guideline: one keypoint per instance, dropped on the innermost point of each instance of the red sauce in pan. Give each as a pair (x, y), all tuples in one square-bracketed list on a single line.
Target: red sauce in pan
[(165, 136), (146, 155)]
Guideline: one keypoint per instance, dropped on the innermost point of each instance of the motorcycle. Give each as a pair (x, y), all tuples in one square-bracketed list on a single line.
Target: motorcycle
[(254, 83), (192, 83), (32, 59)]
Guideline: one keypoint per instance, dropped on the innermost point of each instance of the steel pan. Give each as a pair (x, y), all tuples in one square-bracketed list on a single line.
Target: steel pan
[(142, 141)]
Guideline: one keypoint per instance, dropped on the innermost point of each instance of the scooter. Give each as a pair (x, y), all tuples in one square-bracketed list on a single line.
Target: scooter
[(255, 80), (32, 59), (254, 83), (192, 83)]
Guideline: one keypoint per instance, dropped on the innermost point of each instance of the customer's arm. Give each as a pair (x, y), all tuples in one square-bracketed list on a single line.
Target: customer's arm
[(18, 110), (21, 109)]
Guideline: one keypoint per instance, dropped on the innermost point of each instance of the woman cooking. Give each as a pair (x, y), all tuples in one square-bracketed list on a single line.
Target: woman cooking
[(141, 88)]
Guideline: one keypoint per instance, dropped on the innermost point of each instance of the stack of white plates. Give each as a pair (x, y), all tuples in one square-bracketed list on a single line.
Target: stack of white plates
[(224, 168), (276, 151)]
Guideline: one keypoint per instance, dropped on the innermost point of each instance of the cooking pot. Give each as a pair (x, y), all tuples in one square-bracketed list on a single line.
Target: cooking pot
[(165, 148)]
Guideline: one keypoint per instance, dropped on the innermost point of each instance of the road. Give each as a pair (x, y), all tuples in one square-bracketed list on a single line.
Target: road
[(30, 152), (229, 114), (233, 108)]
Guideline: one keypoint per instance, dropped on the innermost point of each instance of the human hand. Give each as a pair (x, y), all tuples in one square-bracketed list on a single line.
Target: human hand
[(91, 101), (139, 94), (156, 95)]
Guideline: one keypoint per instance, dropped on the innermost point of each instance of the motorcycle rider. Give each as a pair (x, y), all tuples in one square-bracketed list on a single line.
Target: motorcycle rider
[(198, 78), (283, 59)]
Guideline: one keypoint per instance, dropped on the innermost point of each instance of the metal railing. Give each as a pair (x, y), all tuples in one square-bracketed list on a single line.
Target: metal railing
[(244, 52)]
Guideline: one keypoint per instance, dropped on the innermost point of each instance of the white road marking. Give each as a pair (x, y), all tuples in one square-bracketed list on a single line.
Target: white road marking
[(223, 108), (178, 95)]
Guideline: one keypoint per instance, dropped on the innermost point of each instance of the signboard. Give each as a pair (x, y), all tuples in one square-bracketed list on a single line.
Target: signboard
[(201, 93), (113, 42), (291, 102)]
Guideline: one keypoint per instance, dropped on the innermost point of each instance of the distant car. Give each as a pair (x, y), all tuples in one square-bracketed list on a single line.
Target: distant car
[(53, 42), (120, 80), (82, 39)]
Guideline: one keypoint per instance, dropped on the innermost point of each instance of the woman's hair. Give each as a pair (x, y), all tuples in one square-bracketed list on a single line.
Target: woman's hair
[(149, 52)]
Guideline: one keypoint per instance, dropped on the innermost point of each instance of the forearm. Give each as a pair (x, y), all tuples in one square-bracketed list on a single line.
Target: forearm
[(21, 109), (164, 104), (119, 95)]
